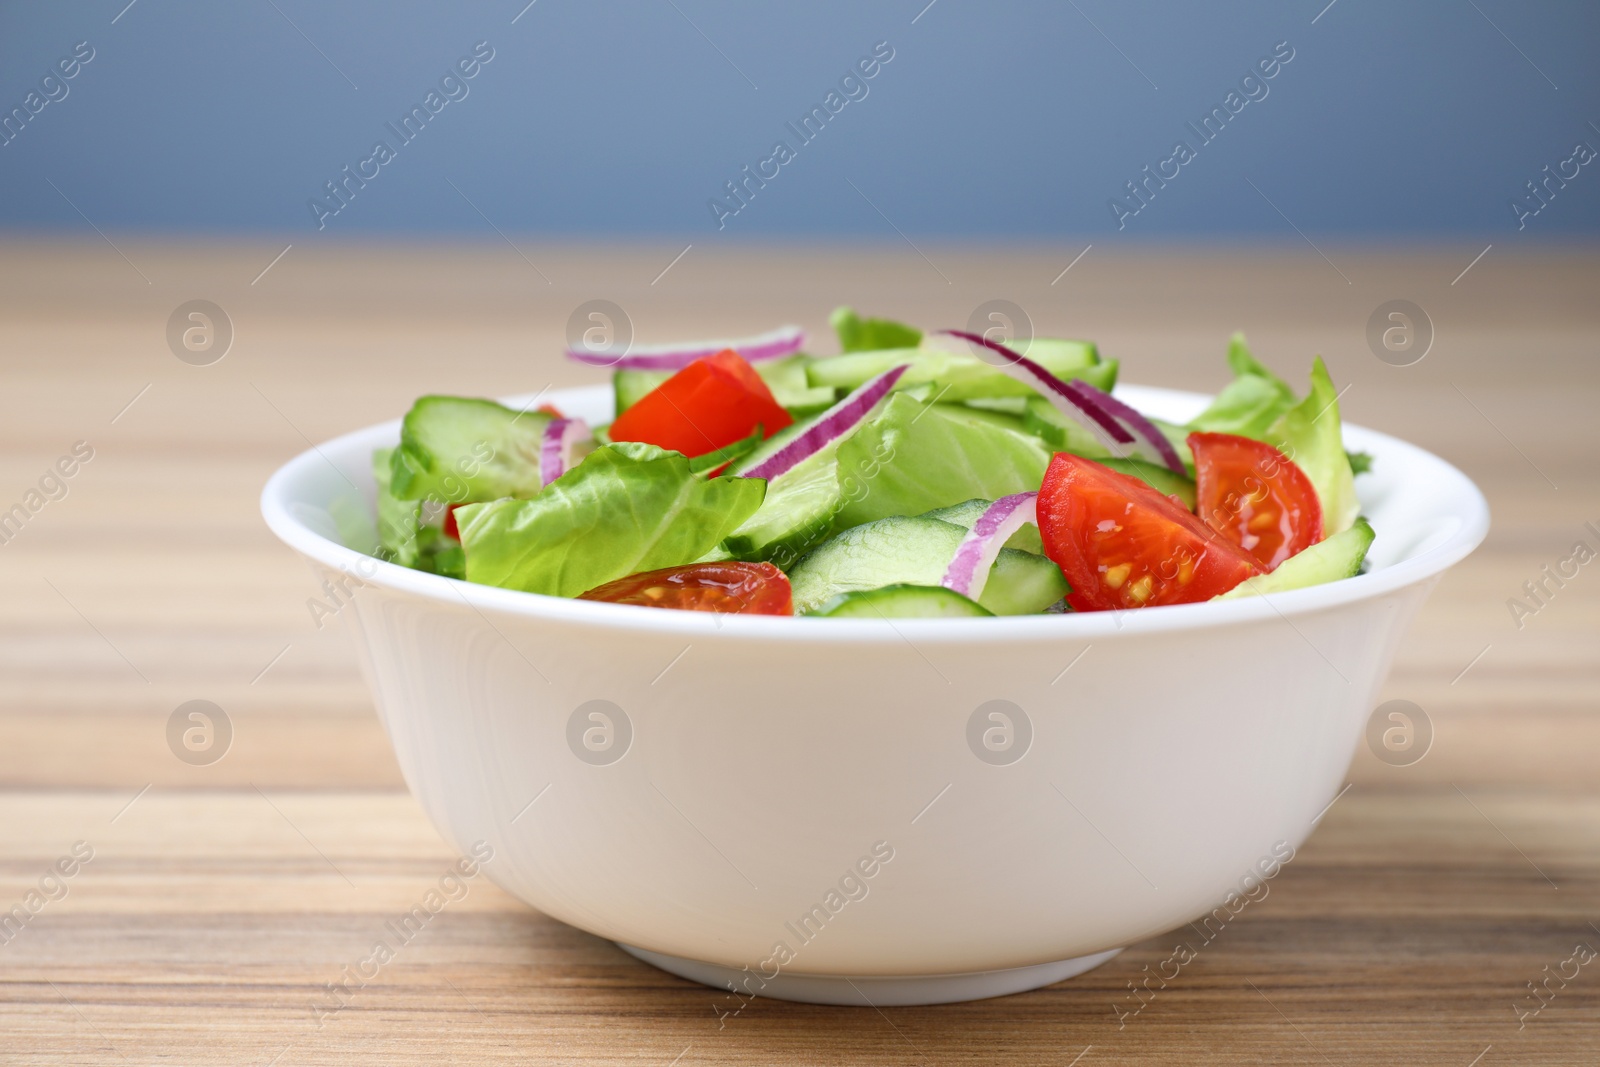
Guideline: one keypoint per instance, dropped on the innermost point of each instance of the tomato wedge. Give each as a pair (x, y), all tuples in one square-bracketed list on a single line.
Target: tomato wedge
[(731, 588), (1255, 496), (711, 403), (1121, 544)]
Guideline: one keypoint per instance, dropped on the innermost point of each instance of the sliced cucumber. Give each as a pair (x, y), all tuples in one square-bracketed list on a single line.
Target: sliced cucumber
[(962, 376), (404, 535), (1059, 432), (1339, 556), (791, 388), (1015, 406), (802, 505), (916, 551), (456, 449), (912, 457), (796, 515), (903, 601), (785, 377), (966, 513), (630, 386), (1006, 420)]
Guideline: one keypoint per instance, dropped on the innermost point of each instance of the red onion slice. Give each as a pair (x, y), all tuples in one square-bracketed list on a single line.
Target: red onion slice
[(784, 341), (969, 568), (1134, 422), (1114, 419), (830, 425), (555, 449), (1080, 409)]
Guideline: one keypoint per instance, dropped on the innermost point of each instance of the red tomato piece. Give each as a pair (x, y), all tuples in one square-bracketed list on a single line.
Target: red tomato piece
[(1121, 544), (451, 527), (1255, 496), (732, 588), (711, 403), (551, 410)]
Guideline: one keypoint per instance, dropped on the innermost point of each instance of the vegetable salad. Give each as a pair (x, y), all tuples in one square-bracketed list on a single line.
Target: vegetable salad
[(914, 475)]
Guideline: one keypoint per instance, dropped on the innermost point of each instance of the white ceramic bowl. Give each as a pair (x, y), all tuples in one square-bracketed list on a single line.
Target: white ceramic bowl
[(745, 769)]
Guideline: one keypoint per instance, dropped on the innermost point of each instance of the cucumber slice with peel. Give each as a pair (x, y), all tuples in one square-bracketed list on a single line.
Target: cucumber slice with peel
[(455, 449), (903, 601), (967, 513), (961, 376), (1339, 556), (796, 515), (916, 551)]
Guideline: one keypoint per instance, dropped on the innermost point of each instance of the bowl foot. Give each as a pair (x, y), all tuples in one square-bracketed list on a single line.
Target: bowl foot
[(877, 991)]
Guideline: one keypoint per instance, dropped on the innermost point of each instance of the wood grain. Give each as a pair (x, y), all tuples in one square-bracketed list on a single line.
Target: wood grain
[(220, 901)]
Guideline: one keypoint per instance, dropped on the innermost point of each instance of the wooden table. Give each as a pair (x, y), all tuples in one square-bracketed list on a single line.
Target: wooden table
[(220, 899)]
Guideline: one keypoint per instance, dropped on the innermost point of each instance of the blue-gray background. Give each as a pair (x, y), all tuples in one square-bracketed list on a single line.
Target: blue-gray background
[(1013, 120)]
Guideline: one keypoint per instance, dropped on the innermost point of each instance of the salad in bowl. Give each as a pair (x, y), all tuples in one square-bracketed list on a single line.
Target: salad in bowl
[(914, 475), (928, 671)]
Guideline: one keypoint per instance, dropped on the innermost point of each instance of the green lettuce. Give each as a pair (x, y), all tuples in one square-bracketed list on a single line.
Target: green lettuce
[(1259, 404), (455, 449), (404, 537), (1242, 362), (398, 520), (1251, 403), (1309, 433), (913, 457), (721, 457), (857, 334), (626, 508)]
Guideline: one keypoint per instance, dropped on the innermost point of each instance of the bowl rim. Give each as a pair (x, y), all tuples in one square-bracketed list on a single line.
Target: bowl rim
[(277, 498)]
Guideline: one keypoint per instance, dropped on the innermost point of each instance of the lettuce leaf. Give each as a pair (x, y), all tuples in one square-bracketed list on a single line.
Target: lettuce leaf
[(857, 334), (1247, 406), (626, 508), (1244, 364), (1309, 433), (398, 520), (1251, 403), (404, 535), (710, 461), (913, 457)]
